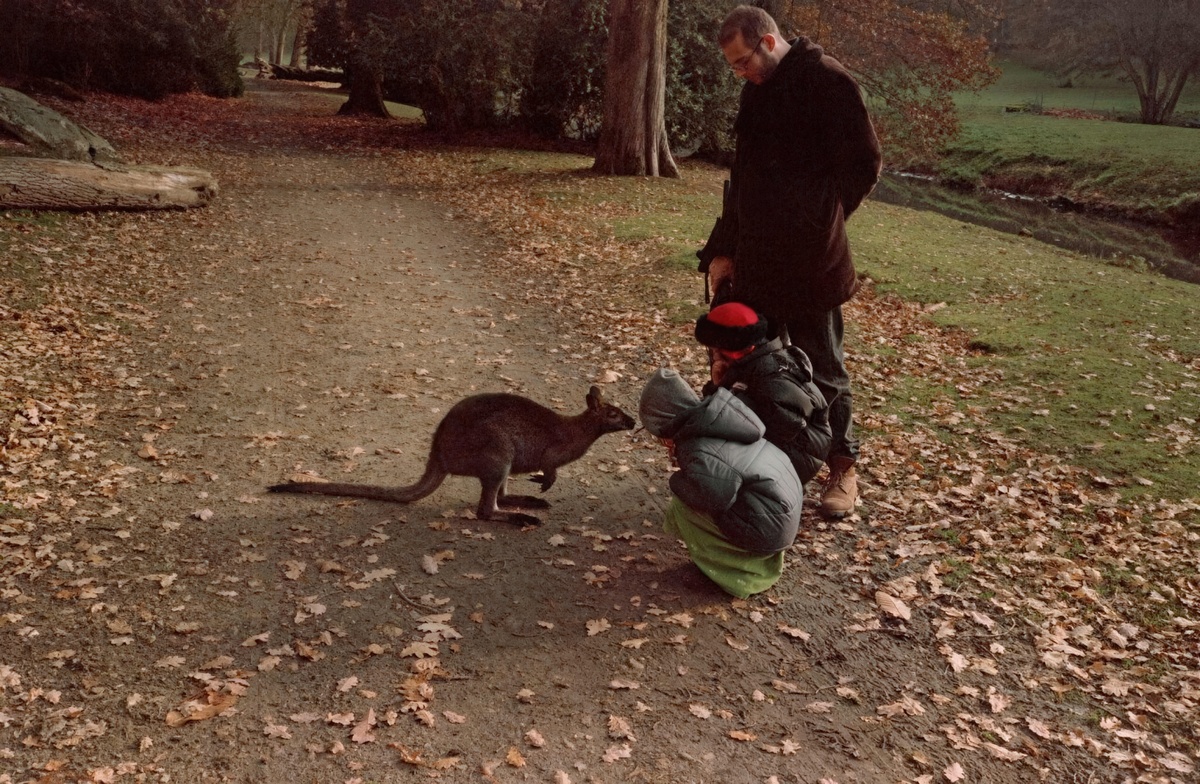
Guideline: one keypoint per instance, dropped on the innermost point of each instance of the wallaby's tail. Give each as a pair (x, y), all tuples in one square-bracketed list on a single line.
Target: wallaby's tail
[(431, 480)]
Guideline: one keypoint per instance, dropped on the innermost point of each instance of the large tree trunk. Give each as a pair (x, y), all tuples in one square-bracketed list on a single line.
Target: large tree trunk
[(366, 92), (297, 47), (633, 133), (45, 184)]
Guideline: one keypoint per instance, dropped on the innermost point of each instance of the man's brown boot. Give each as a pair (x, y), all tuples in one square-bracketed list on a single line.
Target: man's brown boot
[(841, 489)]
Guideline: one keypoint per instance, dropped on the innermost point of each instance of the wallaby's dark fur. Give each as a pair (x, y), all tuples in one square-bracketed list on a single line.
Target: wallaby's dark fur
[(489, 437)]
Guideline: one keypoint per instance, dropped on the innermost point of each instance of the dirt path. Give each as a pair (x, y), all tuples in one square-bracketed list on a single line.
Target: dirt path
[(320, 319)]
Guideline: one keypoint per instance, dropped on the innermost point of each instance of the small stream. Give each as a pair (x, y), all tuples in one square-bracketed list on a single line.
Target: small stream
[(1175, 254)]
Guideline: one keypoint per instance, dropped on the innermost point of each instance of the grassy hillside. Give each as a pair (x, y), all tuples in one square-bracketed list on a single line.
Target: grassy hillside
[(1139, 169)]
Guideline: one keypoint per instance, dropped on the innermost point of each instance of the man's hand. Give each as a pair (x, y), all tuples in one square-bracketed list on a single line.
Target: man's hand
[(719, 269)]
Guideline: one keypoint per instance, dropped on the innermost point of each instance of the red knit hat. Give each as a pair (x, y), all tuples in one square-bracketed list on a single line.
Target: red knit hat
[(731, 327)]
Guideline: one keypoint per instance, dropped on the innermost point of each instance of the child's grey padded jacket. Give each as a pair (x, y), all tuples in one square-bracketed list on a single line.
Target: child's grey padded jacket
[(726, 468)]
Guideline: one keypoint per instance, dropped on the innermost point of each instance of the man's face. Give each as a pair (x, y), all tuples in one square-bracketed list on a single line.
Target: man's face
[(751, 61)]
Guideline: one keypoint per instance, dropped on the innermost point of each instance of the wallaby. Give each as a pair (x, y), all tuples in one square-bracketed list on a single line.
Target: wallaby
[(490, 436)]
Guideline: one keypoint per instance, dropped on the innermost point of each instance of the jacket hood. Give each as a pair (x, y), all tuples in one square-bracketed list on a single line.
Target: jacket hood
[(669, 408), (803, 52), (665, 397)]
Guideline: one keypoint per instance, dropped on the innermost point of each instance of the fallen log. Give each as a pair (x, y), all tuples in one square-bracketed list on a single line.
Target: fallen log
[(307, 74), (47, 184)]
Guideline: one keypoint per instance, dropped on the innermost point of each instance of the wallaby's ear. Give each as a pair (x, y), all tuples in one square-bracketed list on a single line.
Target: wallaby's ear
[(595, 398)]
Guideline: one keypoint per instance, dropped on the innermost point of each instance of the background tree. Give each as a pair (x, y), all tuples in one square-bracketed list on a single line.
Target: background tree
[(702, 91), (268, 27), (1155, 44), (464, 63), (633, 135), (562, 94), (146, 48), (353, 35), (909, 57)]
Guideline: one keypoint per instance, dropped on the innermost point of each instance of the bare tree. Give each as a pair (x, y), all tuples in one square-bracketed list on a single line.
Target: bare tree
[(1153, 43), (272, 21), (633, 132)]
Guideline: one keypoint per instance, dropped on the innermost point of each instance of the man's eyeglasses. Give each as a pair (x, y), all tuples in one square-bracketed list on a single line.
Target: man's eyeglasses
[(742, 63)]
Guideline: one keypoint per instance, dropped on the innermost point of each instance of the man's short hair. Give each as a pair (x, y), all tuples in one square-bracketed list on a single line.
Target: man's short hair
[(751, 21)]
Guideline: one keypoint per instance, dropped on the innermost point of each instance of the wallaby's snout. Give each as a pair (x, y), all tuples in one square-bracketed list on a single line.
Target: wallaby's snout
[(612, 418)]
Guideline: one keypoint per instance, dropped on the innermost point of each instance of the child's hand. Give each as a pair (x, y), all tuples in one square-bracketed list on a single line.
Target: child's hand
[(718, 368), (669, 443)]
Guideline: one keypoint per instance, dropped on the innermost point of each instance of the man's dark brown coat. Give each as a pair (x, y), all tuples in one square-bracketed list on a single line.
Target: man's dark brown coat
[(807, 156)]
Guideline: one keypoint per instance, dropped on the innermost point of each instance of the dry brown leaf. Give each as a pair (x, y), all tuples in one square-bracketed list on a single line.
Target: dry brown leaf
[(954, 772), (742, 735), (614, 753), (892, 606), (362, 732), (209, 705), (597, 626), (999, 752), (535, 739), (513, 758), (419, 650), (620, 729), (792, 631)]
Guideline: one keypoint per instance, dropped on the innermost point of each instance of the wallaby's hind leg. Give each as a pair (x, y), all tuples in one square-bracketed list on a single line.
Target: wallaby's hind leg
[(492, 497), (526, 501)]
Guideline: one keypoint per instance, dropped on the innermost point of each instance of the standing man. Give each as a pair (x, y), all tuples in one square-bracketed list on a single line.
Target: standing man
[(806, 157)]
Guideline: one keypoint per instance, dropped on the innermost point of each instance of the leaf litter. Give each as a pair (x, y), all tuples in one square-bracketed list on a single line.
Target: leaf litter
[(967, 534)]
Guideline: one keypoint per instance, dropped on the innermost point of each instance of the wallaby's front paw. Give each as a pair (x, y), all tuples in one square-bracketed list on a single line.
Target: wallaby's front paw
[(545, 480)]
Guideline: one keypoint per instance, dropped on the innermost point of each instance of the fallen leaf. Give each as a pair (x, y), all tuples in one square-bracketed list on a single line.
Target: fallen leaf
[(792, 631), (619, 728), (597, 626), (614, 753), (514, 758), (892, 606), (199, 709), (954, 772), (362, 731)]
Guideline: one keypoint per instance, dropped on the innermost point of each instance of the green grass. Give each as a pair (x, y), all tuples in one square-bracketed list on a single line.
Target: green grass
[(1098, 364), (1020, 84), (1141, 168)]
